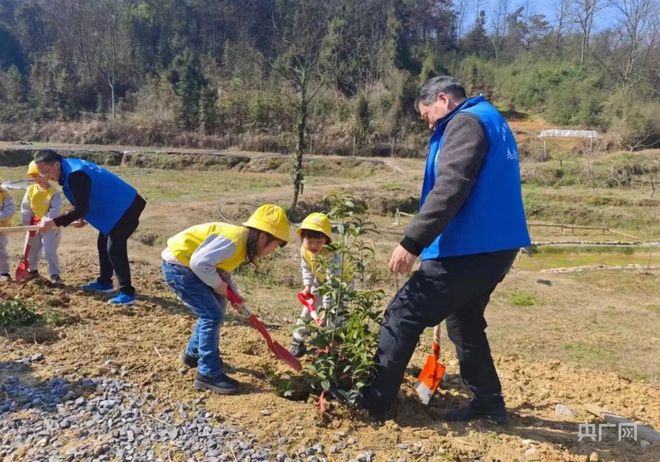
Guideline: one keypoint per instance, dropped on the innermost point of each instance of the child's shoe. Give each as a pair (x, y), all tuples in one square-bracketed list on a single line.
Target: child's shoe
[(297, 348), (222, 384), (56, 280), (31, 275)]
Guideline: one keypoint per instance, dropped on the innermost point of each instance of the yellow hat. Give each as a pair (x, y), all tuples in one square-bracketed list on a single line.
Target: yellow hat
[(32, 169), (271, 219), (316, 222)]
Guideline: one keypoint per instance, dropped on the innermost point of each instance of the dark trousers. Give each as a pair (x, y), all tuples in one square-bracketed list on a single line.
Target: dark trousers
[(456, 289), (113, 251)]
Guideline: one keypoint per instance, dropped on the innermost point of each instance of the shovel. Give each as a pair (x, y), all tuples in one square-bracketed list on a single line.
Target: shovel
[(431, 376), (309, 302), (23, 266), (278, 350)]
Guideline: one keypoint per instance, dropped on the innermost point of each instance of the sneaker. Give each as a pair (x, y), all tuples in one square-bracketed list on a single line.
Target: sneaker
[(31, 275), (97, 286), (222, 384), (191, 361), (5, 277), (56, 280), (496, 413), (297, 348), (122, 299)]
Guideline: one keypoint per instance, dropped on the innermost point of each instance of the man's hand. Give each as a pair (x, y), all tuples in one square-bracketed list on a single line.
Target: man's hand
[(401, 260), (307, 290), (79, 223), (221, 289), (46, 225)]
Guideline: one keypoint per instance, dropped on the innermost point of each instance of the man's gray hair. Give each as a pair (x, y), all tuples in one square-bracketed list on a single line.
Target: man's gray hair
[(441, 84)]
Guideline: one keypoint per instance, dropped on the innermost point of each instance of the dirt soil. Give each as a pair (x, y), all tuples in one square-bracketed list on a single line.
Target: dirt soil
[(142, 345), (85, 337)]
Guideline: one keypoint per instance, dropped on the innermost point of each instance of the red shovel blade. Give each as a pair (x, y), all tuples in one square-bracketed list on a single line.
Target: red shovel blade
[(23, 266), (277, 349)]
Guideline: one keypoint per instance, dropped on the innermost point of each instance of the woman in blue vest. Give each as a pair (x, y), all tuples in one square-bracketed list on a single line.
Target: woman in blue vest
[(467, 233), (105, 201)]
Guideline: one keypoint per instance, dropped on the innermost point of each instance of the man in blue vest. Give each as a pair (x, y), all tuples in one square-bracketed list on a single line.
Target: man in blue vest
[(105, 201), (467, 233)]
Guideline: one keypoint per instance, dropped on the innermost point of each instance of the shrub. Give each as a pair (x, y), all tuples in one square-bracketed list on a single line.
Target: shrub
[(520, 298), (16, 313)]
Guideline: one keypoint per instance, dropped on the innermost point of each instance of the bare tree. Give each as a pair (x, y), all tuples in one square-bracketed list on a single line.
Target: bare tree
[(639, 23), (499, 26), (301, 28), (584, 12), (562, 12), (462, 9), (93, 34)]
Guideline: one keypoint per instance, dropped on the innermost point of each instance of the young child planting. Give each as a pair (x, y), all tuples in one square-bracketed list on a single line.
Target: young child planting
[(7, 209), (315, 233), (197, 264), (42, 200)]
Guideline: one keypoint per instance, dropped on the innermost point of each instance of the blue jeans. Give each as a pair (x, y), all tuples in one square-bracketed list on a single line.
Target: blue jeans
[(210, 311)]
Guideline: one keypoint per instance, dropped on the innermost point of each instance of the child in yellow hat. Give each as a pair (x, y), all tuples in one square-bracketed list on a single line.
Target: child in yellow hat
[(315, 233), (197, 264), (42, 200), (7, 210)]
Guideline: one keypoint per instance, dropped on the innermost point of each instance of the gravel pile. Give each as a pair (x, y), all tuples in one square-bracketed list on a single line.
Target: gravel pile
[(102, 419)]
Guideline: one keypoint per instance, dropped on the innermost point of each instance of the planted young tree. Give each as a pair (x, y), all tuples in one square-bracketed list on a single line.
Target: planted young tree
[(342, 347), (300, 26)]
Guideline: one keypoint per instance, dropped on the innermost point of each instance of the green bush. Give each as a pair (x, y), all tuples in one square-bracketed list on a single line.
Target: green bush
[(634, 119), (16, 313), (520, 298)]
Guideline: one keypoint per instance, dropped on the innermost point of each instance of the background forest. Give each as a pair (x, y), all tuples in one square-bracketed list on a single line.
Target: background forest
[(335, 76)]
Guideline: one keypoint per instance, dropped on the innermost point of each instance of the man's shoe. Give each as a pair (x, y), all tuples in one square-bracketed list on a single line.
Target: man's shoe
[(473, 411), (5, 277), (222, 384), (297, 349), (56, 280), (122, 299), (97, 286)]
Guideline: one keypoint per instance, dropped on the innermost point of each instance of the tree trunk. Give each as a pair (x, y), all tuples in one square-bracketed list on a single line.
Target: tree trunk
[(301, 128)]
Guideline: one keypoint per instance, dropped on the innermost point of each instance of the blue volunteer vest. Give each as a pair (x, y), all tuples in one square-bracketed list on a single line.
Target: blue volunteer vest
[(109, 197), (493, 217)]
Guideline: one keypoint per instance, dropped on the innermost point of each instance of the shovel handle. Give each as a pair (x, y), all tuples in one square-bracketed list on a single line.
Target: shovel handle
[(18, 229), (436, 341)]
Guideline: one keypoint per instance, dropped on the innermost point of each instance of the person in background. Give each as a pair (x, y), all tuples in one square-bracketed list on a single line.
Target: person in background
[(105, 201), (7, 210), (42, 200)]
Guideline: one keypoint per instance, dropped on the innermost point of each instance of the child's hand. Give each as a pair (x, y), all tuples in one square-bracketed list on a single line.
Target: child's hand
[(307, 290), (221, 289)]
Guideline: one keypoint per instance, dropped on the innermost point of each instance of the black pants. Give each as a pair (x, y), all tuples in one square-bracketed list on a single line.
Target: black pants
[(456, 289), (112, 247)]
